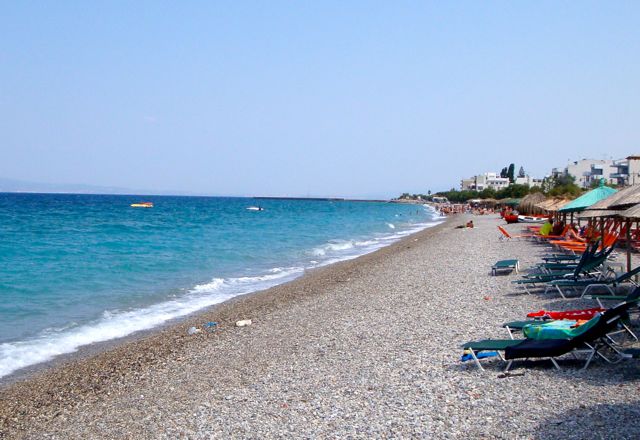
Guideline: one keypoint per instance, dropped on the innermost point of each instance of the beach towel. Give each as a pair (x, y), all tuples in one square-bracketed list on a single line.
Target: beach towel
[(583, 314), (565, 329)]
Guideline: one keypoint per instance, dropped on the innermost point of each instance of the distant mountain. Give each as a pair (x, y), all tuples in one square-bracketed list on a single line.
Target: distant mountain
[(11, 185)]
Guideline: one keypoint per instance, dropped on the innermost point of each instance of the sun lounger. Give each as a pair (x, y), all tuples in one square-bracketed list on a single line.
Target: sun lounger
[(588, 284), (590, 340), (505, 265), (585, 268), (504, 235)]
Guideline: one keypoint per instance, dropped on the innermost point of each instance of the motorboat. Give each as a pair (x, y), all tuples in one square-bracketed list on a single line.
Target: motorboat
[(532, 218), (142, 205)]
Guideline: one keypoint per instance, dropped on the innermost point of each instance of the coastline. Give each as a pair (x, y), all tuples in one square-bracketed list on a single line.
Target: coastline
[(368, 347), (97, 348), (76, 374)]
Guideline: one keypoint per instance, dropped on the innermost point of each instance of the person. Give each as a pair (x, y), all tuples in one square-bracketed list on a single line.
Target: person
[(469, 224), (547, 227), (558, 227)]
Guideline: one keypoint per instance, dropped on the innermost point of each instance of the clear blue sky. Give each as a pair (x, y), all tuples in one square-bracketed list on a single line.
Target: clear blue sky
[(366, 99)]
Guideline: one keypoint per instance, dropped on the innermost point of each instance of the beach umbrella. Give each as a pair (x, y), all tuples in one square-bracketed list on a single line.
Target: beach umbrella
[(625, 205), (528, 204), (588, 199), (621, 200), (553, 204)]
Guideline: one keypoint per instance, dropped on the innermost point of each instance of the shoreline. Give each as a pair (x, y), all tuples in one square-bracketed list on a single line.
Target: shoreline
[(95, 347), (364, 348), (70, 371)]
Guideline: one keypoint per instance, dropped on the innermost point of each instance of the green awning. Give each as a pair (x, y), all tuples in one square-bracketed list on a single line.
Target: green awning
[(510, 202), (588, 199)]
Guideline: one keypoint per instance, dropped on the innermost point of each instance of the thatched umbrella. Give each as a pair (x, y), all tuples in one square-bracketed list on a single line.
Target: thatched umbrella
[(623, 199), (624, 205), (528, 204), (553, 204)]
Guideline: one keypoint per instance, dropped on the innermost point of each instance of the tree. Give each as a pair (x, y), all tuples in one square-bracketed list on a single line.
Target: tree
[(503, 173), (515, 191), (510, 173), (561, 185), (487, 193), (521, 172)]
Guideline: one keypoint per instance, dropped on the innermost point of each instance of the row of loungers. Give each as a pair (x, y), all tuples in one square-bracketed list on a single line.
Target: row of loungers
[(590, 271), (548, 338)]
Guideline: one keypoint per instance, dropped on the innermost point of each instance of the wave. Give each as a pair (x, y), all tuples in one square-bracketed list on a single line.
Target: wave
[(113, 324)]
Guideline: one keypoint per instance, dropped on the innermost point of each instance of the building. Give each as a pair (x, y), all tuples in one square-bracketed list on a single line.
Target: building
[(616, 172), (627, 171), (528, 180), (587, 171), (484, 181)]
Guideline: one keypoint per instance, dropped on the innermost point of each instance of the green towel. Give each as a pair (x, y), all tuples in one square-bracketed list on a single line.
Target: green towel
[(563, 329)]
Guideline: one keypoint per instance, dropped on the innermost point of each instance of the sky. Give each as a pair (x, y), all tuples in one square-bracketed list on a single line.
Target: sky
[(301, 98)]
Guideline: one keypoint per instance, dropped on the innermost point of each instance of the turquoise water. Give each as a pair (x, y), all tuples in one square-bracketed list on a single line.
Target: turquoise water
[(79, 269)]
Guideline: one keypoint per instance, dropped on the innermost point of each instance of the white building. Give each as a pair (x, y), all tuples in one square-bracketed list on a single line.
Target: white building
[(483, 181), (627, 171), (588, 171), (528, 180)]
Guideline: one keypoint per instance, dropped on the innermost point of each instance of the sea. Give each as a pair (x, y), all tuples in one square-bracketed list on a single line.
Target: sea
[(79, 269)]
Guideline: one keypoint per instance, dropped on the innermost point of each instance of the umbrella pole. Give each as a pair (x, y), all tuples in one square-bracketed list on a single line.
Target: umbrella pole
[(628, 245), (571, 217)]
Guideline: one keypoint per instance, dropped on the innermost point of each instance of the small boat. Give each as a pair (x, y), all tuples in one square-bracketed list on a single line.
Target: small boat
[(511, 218), (142, 205), (532, 218), (254, 208)]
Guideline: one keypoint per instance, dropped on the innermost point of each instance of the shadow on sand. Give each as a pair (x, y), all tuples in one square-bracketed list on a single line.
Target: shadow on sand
[(599, 421)]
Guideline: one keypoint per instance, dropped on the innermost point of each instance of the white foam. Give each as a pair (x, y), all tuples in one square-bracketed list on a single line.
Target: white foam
[(114, 324)]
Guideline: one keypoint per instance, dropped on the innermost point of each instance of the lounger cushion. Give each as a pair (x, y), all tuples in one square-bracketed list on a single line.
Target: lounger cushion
[(490, 344), (531, 348)]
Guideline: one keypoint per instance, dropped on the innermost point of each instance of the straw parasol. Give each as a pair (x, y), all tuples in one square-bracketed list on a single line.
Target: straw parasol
[(529, 203), (553, 204), (625, 198), (614, 204), (624, 204)]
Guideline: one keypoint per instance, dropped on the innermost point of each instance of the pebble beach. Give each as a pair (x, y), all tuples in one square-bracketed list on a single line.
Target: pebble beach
[(366, 348)]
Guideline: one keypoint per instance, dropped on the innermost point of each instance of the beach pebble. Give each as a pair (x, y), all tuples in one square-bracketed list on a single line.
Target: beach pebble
[(193, 330), (367, 348)]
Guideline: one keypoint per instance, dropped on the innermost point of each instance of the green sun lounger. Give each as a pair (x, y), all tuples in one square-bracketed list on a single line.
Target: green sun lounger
[(589, 340), (587, 284), (586, 268), (505, 266)]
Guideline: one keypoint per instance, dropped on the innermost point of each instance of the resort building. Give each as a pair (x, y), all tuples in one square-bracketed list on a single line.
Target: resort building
[(528, 180), (627, 171), (483, 181), (618, 172), (587, 171)]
